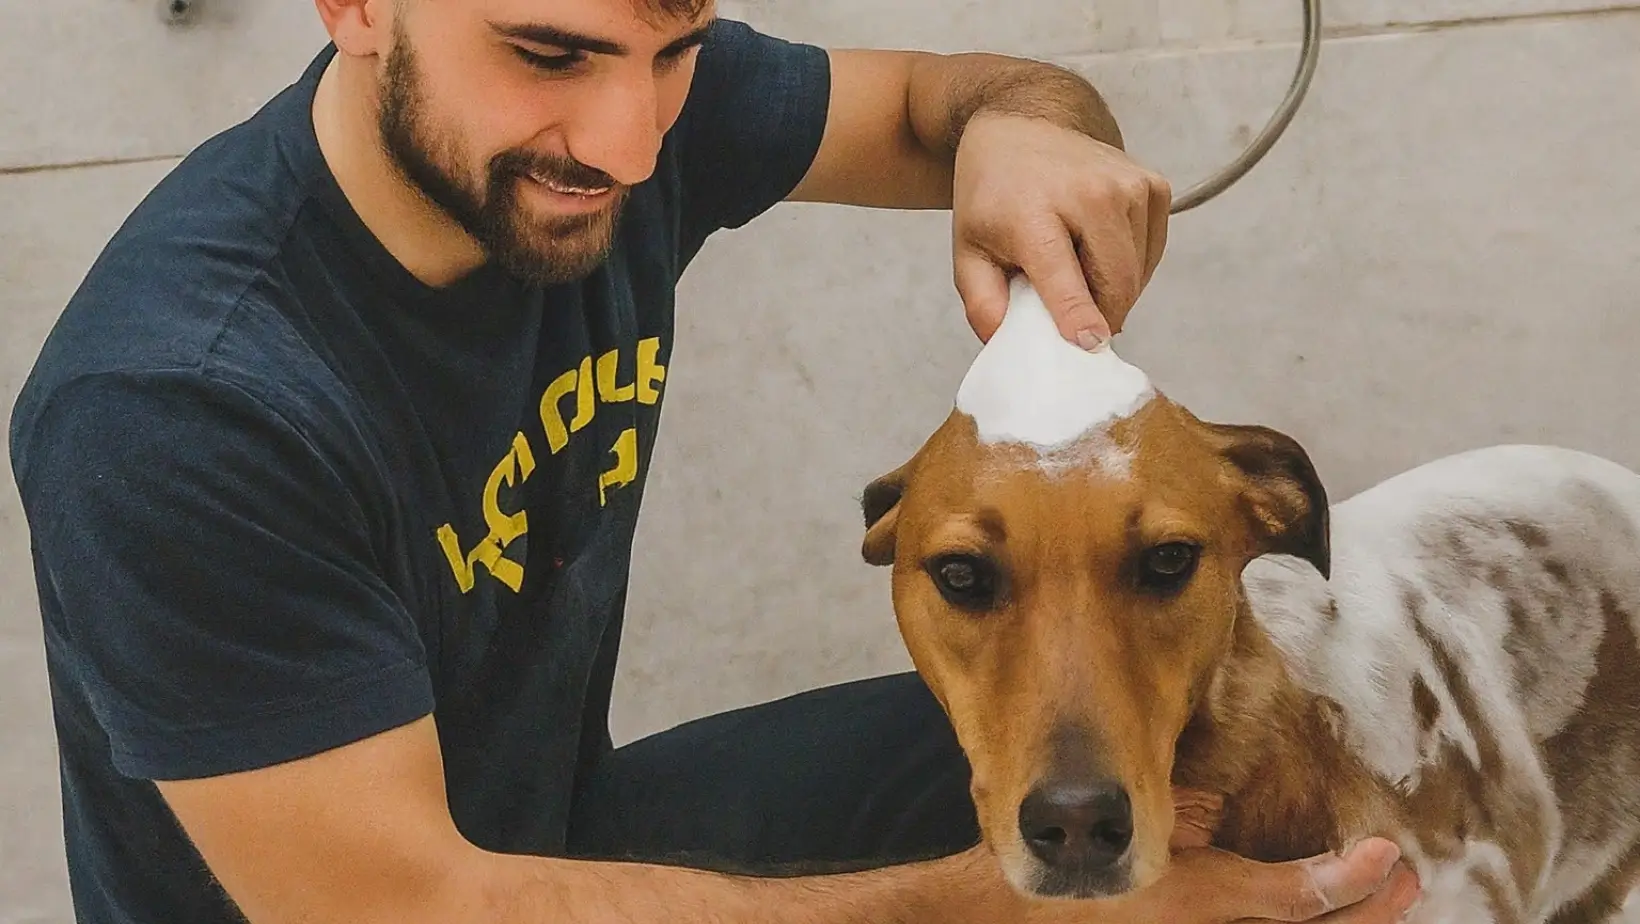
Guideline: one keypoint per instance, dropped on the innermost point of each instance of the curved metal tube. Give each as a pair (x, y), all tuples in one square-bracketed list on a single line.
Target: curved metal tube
[(1266, 139)]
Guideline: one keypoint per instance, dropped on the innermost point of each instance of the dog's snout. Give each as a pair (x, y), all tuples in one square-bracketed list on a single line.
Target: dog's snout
[(1080, 826)]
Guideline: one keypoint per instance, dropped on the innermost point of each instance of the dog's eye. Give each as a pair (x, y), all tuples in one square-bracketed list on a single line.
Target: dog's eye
[(1168, 566), (965, 581)]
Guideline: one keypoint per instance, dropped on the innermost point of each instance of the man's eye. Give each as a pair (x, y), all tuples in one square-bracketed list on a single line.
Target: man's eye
[(671, 61), (553, 63)]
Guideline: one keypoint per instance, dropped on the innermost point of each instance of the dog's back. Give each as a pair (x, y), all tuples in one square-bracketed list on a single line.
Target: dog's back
[(1479, 636)]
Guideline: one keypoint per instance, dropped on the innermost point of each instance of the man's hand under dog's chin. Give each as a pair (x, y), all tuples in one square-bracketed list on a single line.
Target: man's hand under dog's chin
[(1083, 222), (1205, 885)]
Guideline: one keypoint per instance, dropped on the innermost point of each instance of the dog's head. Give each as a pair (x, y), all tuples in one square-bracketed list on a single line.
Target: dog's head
[(1067, 553)]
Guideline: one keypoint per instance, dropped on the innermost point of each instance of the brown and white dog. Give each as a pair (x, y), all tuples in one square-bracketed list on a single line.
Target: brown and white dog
[(1110, 596)]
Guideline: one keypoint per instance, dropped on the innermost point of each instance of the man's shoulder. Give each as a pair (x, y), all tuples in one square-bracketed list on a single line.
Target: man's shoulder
[(750, 127), (203, 236), (194, 266), (245, 390), (191, 315), (740, 64)]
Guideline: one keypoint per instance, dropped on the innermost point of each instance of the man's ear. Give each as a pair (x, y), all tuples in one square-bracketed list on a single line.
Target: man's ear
[(358, 28), (1283, 496), (880, 505)]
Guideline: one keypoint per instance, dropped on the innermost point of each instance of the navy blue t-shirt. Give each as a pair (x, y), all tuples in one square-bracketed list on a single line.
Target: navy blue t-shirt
[(284, 496)]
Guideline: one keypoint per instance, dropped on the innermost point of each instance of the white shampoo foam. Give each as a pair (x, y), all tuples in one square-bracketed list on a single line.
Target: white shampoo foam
[(1030, 385)]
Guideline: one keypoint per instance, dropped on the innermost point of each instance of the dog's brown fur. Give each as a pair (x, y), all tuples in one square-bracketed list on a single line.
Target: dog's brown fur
[(1075, 652)]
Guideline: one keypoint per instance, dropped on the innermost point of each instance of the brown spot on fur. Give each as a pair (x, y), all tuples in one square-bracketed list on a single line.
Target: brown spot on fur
[(1531, 535), (1599, 749), (1456, 548), (1425, 704), (1602, 902), (1519, 623), (1488, 754), (1481, 798), (1557, 569), (1503, 910)]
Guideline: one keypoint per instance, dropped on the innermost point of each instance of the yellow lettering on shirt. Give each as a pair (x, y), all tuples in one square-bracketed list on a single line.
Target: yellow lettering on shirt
[(593, 382), (650, 372), (608, 391), (626, 466), (552, 420), (514, 469)]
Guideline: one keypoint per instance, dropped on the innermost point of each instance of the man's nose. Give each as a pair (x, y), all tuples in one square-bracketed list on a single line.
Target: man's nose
[(619, 130), (1077, 825)]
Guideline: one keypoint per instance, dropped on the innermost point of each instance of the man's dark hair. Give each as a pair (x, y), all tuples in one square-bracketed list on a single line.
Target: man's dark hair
[(680, 9)]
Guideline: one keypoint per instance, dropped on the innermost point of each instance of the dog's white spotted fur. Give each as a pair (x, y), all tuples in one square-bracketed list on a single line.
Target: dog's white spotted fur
[(1029, 385), (1503, 560)]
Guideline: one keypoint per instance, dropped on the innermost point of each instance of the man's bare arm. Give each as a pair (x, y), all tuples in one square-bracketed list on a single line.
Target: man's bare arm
[(896, 116), (363, 835)]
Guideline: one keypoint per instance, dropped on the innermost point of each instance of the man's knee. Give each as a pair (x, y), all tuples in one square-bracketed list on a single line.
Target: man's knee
[(857, 774)]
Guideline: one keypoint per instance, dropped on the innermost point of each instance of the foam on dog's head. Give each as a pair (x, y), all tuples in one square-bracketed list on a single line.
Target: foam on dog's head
[(1030, 385)]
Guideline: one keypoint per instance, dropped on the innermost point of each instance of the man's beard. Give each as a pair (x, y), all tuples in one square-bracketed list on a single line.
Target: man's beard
[(543, 251)]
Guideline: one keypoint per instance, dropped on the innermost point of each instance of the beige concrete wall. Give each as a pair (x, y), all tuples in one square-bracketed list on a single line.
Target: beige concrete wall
[(1441, 253)]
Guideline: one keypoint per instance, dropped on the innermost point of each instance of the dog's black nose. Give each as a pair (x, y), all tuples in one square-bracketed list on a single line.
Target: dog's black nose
[(1079, 826)]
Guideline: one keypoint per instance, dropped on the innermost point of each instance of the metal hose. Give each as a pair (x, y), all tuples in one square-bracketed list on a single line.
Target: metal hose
[(1266, 139)]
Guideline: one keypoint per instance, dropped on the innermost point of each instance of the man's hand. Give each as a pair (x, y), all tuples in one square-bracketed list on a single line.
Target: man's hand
[(1196, 816), (1026, 155), (1085, 224), (1367, 885)]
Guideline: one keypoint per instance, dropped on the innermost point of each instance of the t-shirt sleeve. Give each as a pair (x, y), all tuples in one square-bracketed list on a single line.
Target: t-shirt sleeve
[(752, 125), (213, 567)]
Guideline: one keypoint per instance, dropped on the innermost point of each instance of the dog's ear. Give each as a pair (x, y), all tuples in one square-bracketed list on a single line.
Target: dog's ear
[(880, 505), (1284, 498)]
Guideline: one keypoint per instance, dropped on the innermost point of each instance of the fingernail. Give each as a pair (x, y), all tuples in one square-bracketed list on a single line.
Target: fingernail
[(1088, 339), (1413, 906)]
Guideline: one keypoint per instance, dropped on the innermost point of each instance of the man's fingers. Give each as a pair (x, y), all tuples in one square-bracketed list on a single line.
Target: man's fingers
[(1111, 244), (1388, 905), (1238, 888), (1196, 816), (983, 288), (1359, 873), (1161, 202), (1058, 275)]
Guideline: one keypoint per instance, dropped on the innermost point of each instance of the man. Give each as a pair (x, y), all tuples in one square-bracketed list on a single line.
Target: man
[(333, 461)]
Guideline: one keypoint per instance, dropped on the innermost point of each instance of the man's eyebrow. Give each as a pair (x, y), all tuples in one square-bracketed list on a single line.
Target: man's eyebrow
[(695, 36), (544, 34)]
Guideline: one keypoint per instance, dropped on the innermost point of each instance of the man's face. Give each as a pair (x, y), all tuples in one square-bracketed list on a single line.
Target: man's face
[(528, 121)]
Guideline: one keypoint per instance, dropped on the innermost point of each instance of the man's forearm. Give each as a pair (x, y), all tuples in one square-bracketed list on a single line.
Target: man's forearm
[(948, 91), (524, 890)]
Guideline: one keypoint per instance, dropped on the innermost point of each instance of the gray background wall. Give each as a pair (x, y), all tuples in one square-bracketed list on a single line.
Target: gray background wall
[(1442, 252)]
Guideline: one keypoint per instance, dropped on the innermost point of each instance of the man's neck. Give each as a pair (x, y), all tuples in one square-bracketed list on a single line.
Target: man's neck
[(423, 239)]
